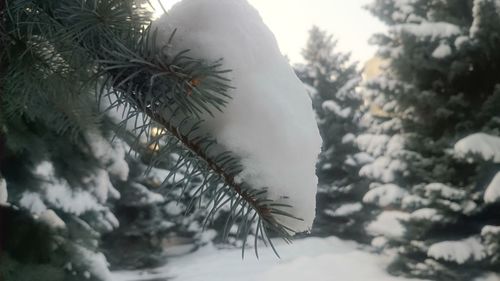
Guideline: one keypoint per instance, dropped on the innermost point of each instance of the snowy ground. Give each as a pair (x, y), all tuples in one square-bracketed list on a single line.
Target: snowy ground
[(308, 259)]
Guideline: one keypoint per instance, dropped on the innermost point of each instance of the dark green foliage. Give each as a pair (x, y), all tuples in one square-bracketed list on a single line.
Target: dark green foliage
[(11, 269), (26, 240), (31, 250)]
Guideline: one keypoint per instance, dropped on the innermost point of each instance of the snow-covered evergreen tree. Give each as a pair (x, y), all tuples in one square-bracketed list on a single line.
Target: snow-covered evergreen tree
[(441, 86), (65, 182), (332, 80), (383, 141)]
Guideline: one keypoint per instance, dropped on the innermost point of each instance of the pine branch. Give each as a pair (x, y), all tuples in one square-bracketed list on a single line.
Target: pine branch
[(263, 210), (259, 209), (153, 82), (113, 41)]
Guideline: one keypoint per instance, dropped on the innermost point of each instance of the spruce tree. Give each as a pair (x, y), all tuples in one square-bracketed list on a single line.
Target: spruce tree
[(441, 84), (333, 79)]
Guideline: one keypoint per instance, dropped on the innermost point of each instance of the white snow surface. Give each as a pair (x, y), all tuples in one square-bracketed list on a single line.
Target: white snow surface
[(269, 122), (458, 251), (492, 193), (307, 259), (480, 144)]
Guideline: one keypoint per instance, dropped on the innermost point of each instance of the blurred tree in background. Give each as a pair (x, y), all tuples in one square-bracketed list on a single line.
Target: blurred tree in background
[(332, 80), (441, 86)]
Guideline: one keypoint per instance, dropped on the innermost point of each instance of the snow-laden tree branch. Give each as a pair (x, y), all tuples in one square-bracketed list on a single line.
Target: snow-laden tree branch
[(241, 129)]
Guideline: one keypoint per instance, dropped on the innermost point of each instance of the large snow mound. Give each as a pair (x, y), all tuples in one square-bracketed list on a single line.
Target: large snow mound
[(480, 144), (269, 122)]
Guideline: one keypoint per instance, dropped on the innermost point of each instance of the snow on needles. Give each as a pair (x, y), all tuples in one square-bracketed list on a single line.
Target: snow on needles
[(269, 122), (442, 51), (58, 193), (480, 144), (433, 30), (388, 224), (385, 195), (458, 251)]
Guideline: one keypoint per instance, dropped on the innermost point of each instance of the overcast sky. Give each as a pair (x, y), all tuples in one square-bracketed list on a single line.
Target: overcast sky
[(291, 19)]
